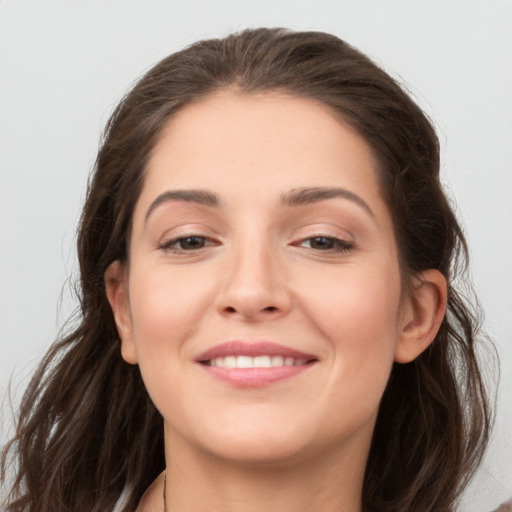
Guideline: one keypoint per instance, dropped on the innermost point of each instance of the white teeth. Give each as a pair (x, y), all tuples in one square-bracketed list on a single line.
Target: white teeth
[(277, 361), (256, 362), (229, 361), (262, 362), (244, 362)]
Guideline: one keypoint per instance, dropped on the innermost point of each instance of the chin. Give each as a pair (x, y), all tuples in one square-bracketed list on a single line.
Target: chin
[(281, 444), (251, 440)]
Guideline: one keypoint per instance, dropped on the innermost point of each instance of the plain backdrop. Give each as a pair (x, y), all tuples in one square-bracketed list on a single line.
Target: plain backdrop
[(64, 65)]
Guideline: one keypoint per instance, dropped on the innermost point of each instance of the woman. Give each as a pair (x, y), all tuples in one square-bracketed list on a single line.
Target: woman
[(268, 314)]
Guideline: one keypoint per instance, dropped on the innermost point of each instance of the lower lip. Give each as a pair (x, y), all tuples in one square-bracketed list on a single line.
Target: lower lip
[(255, 377)]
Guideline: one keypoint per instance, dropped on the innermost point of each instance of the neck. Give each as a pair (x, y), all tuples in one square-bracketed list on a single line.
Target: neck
[(203, 482)]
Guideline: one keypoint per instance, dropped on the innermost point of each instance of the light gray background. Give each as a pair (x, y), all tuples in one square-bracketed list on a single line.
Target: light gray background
[(64, 64)]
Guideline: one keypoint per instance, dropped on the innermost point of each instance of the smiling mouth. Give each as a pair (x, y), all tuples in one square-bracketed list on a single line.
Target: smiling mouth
[(262, 361), (254, 364)]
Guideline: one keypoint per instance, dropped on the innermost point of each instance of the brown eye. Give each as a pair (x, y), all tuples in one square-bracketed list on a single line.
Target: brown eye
[(326, 243), (186, 243), (190, 243), (322, 242)]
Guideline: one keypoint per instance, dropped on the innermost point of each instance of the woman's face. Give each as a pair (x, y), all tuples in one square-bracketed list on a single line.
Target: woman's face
[(262, 299)]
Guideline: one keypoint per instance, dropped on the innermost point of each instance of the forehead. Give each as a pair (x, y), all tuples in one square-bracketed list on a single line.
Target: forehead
[(273, 130)]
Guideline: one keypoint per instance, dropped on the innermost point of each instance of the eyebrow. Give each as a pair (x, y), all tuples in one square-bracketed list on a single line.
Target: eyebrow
[(295, 197), (203, 197), (303, 196)]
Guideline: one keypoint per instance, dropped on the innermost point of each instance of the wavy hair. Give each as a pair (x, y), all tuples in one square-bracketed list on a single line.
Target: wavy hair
[(87, 429)]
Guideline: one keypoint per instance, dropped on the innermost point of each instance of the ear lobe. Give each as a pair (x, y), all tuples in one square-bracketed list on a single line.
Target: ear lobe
[(423, 314), (116, 286)]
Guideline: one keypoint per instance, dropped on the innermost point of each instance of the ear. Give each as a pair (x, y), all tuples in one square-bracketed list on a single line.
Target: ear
[(116, 285), (422, 315)]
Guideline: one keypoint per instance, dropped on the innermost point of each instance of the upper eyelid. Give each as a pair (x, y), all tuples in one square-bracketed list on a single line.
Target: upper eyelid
[(325, 235), (342, 240), (178, 237), (294, 234), (184, 230), (325, 230)]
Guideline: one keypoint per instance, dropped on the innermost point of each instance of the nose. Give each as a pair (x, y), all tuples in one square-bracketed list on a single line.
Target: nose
[(254, 286)]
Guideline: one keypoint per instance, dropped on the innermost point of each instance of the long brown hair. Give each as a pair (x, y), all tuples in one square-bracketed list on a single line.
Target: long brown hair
[(87, 428)]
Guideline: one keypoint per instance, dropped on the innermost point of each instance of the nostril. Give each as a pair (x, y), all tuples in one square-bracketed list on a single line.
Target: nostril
[(231, 309)]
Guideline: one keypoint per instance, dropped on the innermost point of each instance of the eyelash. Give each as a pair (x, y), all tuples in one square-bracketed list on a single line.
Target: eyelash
[(168, 245), (334, 245)]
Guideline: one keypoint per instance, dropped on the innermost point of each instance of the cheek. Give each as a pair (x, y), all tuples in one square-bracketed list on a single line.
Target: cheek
[(357, 312), (356, 298), (167, 309)]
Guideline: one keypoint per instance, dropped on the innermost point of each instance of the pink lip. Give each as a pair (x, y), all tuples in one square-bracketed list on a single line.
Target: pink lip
[(252, 349), (253, 377)]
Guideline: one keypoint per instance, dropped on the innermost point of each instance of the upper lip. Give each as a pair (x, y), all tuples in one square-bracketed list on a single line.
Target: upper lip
[(252, 349)]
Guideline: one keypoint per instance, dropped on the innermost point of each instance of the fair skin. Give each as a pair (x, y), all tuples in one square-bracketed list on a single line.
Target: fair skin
[(288, 242)]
